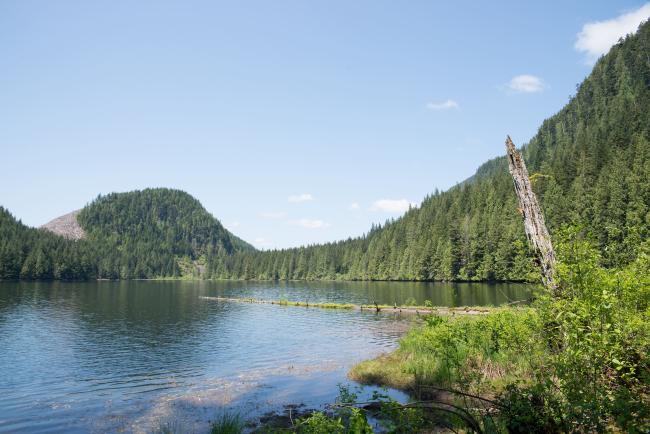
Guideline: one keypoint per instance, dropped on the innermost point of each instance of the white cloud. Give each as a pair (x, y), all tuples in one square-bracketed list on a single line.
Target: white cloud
[(355, 206), (445, 105), (392, 205), (304, 197), (310, 224), (526, 83), (261, 242), (597, 37), (234, 225), (273, 214)]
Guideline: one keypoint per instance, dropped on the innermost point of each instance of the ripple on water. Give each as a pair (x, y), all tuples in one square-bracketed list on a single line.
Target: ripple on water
[(126, 356)]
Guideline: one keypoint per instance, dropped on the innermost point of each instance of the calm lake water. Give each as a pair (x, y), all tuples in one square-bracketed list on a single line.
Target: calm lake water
[(132, 356)]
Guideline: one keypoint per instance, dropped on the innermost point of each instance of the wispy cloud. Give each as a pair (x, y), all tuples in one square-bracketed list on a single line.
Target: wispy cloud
[(261, 242), (597, 37), (297, 198), (392, 205), (310, 224), (274, 215), (444, 105), (526, 83), (355, 206)]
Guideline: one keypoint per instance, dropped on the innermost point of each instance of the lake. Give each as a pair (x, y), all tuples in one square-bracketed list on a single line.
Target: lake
[(132, 356)]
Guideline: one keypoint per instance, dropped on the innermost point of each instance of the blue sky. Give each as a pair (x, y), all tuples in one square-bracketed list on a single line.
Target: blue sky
[(293, 122)]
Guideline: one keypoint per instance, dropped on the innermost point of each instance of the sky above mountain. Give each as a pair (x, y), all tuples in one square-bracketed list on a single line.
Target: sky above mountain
[(293, 122)]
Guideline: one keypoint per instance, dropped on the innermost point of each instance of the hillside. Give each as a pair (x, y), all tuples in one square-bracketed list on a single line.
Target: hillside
[(66, 226), (590, 164), (140, 234), (29, 253), (154, 232)]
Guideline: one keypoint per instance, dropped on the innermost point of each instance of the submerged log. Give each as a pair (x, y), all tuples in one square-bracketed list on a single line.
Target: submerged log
[(375, 307), (534, 224)]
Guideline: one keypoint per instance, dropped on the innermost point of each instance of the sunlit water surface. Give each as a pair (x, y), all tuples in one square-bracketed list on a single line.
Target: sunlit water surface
[(134, 356)]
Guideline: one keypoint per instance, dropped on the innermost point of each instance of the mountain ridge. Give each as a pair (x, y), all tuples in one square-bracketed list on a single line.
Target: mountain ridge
[(589, 162)]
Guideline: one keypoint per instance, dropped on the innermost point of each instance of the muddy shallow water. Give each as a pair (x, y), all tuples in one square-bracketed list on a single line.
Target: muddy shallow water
[(133, 356)]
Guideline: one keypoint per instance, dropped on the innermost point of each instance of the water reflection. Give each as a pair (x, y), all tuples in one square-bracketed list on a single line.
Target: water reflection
[(119, 356)]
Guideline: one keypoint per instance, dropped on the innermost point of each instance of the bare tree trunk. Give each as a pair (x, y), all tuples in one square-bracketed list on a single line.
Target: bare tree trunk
[(534, 224)]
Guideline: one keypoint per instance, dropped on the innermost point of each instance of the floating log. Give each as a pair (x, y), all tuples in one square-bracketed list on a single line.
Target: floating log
[(376, 308), (534, 224)]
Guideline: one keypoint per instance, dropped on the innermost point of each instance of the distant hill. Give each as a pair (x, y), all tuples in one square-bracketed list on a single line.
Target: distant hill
[(156, 232), (140, 234)]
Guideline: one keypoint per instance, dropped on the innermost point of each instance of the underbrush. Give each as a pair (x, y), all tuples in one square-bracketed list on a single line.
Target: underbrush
[(477, 353), (574, 363)]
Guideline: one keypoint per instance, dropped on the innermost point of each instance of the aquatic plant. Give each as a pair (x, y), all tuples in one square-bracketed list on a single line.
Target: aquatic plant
[(228, 423)]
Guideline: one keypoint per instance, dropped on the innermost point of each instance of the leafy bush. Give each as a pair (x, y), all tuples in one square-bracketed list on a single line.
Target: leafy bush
[(598, 335), (473, 351), (574, 363)]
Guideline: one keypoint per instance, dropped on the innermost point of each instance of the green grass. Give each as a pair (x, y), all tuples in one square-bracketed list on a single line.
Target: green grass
[(574, 362), (428, 308), (315, 305), (448, 351), (386, 370), (228, 423)]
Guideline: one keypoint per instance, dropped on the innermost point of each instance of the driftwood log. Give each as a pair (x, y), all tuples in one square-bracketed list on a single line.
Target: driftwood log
[(534, 224)]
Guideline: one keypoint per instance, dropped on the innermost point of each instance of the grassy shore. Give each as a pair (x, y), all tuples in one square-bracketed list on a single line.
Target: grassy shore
[(443, 351)]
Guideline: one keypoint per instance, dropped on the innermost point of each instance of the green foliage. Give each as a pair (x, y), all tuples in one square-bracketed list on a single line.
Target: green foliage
[(474, 352), (410, 302), (319, 423), (397, 418), (350, 418), (598, 334), (228, 423), (531, 410), (575, 363)]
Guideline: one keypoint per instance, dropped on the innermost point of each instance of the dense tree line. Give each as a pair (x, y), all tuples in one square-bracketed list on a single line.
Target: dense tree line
[(28, 253), (140, 234), (590, 165), (154, 233)]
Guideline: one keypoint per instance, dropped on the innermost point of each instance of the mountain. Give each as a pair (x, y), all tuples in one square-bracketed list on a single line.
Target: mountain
[(30, 253), (66, 226), (140, 234), (590, 165), (155, 232)]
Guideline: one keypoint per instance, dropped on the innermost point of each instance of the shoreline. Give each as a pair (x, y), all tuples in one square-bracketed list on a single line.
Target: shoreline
[(194, 279)]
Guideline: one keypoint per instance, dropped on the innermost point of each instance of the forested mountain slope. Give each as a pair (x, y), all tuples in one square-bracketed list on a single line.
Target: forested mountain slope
[(140, 234), (154, 232), (590, 165), (30, 253), (148, 231)]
